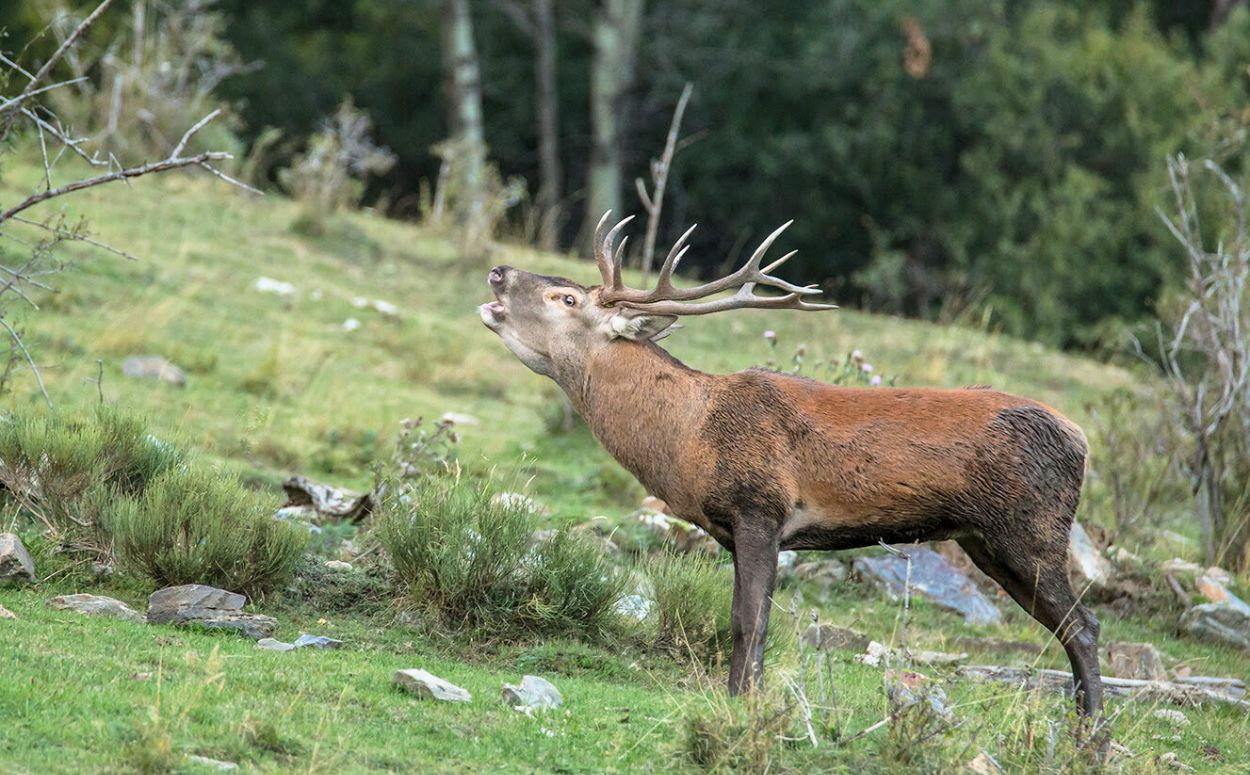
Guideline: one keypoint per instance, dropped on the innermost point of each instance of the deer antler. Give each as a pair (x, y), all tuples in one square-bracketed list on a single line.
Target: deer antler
[(666, 299)]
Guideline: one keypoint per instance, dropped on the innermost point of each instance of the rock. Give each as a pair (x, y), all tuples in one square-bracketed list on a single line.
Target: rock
[(254, 626), (163, 603), (984, 764), (6, 613), (824, 637), (932, 577), (16, 567), (785, 563), (306, 641), (1122, 556), (428, 686), (154, 367), (634, 607), (1000, 645), (1179, 567), (1219, 575), (270, 285), (213, 764), (1136, 660), (351, 324), (101, 570), (652, 503), (878, 655), (1086, 565), (1172, 537), (1216, 592), (338, 566), (1220, 622), (456, 418), (875, 655), (516, 500), (97, 605), (1173, 692), (823, 573), (685, 536), (1173, 717), (269, 644), (906, 688), (533, 693), (386, 308), (327, 500)]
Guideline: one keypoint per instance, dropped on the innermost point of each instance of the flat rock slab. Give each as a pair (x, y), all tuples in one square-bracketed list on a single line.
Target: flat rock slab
[(431, 687), (1136, 660), (269, 644), (97, 605), (254, 626), (826, 637), (1086, 565), (154, 367), (933, 578), (16, 567), (306, 641), (6, 613), (212, 764), (163, 604), (533, 693), (1220, 622)]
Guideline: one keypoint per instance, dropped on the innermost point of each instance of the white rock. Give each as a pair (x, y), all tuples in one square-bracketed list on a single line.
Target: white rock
[(338, 566), (1218, 575), (270, 285), (351, 324), (1177, 565), (634, 606), (515, 500), (15, 562), (1088, 566), (215, 764), (786, 561), (386, 308), (360, 302), (1173, 717), (456, 418), (428, 686), (533, 693), (6, 613), (97, 605), (270, 644)]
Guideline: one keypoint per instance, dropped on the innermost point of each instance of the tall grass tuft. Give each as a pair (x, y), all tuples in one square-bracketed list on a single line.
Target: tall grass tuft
[(470, 563), (196, 525), (693, 597)]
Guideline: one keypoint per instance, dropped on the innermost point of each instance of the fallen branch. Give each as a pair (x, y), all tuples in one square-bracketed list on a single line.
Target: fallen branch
[(1190, 691)]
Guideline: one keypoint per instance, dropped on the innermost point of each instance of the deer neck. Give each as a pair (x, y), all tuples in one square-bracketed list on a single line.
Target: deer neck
[(644, 406)]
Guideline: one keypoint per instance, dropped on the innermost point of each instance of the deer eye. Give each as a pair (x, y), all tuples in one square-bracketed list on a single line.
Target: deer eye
[(569, 300)]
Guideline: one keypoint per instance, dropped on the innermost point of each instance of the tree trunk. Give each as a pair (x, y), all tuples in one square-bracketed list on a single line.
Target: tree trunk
[(464, 98), (550, 173), (616, 31)]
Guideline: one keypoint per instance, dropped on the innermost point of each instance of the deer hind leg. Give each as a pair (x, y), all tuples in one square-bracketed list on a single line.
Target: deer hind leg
[(1040, 585)]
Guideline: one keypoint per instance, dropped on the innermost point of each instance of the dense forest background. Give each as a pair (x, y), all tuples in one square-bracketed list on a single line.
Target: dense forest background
[(980, 160)]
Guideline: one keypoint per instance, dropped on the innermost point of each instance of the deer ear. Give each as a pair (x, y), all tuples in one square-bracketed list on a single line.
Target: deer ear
[(639, 326)]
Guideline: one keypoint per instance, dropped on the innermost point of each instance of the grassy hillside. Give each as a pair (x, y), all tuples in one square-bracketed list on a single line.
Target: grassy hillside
[(278, 387)]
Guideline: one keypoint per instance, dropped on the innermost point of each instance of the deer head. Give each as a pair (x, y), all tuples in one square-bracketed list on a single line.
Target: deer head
[(550, 322)]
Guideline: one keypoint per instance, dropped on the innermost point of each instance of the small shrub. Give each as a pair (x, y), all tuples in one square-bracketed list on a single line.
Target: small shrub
[(738, 735), (693, 597), (200, 526), (468, 562)]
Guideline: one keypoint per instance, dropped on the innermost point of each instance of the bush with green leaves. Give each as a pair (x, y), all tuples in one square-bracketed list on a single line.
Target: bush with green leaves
[(199, 525), (471, 562), (67, 472), (693, 596)]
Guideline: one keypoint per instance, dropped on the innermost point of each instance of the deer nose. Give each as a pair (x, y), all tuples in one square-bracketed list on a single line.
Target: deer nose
[(496, 275)]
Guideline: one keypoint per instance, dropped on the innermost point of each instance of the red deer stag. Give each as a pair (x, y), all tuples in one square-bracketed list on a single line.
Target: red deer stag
[(766, 461)]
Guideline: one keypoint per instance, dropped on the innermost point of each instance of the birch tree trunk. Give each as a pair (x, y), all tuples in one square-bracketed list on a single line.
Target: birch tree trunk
[(616, 31), (550, 172), (464, 98)]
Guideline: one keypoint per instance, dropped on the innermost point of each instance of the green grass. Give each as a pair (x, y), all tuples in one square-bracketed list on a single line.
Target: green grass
[(278, 388)]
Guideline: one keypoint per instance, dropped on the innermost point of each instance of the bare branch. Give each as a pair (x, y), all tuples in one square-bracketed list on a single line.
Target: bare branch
[(190, 132), (654, 204), (65, 46), (12, 102), (69, 235), (22, 346)]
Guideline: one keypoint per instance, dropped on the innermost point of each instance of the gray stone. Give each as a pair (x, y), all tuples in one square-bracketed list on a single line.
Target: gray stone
[(327, 500), (338, 566), (429, 686), (1177, 566), (101, 570), (533, 693), (824, 637), (823, 573), (634, 607), (97, 605), (163, 604), (785, 563), (932, 577), (1221, 622), (154, 367), (6, 613), (254, 626), (1173, 717), (1086, 565), (269, 644), (213, 764), (306, 641), (1136, 660), (15, 564)]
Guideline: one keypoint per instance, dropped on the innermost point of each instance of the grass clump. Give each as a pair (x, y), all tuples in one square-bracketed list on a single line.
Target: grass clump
[(197, 525), (470, 562), (693, 596), (66, 472)]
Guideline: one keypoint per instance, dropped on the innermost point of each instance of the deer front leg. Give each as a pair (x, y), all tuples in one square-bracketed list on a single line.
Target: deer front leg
[(755, 572)]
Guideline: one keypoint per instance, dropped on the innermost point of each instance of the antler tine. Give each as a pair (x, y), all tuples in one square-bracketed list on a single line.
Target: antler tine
[(609, 268), (664, 282), (618, 258)]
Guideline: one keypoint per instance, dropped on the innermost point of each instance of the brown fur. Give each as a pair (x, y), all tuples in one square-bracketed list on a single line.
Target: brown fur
[(765, 461)]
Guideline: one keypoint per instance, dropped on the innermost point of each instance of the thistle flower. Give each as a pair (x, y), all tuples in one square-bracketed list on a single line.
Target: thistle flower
[(875, 381)]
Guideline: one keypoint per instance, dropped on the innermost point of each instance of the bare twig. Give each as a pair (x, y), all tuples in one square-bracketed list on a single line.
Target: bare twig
[(17, 339), (70, 235), (12, 102), (66, 45), (654, 203)]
